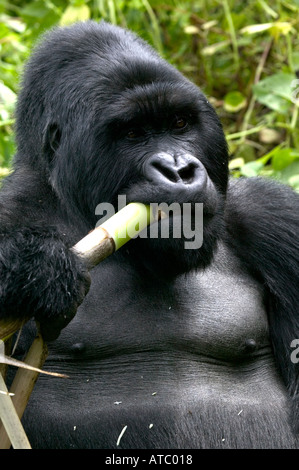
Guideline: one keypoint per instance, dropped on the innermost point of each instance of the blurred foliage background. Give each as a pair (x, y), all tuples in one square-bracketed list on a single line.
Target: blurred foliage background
[(243, 54)]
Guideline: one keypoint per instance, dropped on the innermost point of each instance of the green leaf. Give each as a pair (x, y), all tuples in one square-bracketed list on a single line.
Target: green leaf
[(190, 29), (286, 175), (283, 158), (213, 48), (236, 163), (75, 13), (35, 9), (294, 181), (252, 169), (256, 28), (276, 91), (276, 28), (281, 27), (7, 96), (13, 23), (4, 172), (234, 101)]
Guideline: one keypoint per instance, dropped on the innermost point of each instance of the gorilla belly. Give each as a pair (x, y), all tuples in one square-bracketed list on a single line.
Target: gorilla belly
[(182, 366)]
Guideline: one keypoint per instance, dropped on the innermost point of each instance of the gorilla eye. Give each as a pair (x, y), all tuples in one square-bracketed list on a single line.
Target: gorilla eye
[(134, 133), (179, 123)]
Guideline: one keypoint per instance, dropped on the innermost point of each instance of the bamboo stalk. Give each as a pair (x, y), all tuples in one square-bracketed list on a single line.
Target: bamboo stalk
[(22, 387), (11, 422)]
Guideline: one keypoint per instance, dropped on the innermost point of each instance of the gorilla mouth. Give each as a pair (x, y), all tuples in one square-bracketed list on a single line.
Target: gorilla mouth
[(181, 197), (185, 232), (182, 217)]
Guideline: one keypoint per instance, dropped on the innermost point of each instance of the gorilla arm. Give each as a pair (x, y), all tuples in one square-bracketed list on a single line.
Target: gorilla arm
[(262, 220), (39, 274), (100, 243)]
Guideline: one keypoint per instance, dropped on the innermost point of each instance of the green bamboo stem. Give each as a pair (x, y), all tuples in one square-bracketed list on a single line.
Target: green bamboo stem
[(15, 433)]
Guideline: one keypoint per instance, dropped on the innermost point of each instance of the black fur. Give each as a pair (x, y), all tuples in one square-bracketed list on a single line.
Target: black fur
[(194, 342)]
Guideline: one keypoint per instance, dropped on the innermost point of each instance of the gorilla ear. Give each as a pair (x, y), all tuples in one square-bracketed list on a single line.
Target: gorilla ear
[(52, 137)]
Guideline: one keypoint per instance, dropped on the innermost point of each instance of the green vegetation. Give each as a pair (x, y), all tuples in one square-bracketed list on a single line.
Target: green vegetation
[(244, 56)]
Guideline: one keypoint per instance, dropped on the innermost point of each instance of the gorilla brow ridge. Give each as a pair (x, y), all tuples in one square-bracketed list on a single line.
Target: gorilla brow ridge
[(151, 100)]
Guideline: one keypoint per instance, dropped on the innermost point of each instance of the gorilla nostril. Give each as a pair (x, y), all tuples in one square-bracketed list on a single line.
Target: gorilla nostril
[(166, 171), (187, 173), (183, 170)]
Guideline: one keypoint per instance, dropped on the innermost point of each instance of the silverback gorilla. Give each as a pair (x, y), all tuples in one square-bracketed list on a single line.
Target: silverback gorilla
[(187, 348)]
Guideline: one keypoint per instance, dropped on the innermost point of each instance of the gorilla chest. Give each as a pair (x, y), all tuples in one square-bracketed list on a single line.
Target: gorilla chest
[(218, 313)]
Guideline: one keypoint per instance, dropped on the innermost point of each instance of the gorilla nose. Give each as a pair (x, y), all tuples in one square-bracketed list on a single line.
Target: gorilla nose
[(182, 170)]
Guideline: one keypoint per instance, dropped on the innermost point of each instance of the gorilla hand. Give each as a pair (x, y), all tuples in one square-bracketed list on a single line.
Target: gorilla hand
[(53, 278)]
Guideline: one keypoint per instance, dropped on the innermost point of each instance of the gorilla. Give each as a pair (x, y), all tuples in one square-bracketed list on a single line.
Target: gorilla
[(166, 346)]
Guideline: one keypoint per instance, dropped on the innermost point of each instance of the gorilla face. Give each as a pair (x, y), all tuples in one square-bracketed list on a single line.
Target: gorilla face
[(116, 119), (162, 153)]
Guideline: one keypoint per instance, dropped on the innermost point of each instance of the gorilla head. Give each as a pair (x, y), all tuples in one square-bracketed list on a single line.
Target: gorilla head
[(103, 115)]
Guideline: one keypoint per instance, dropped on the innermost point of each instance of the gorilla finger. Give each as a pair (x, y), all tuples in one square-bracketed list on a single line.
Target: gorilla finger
[(50, 328)]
